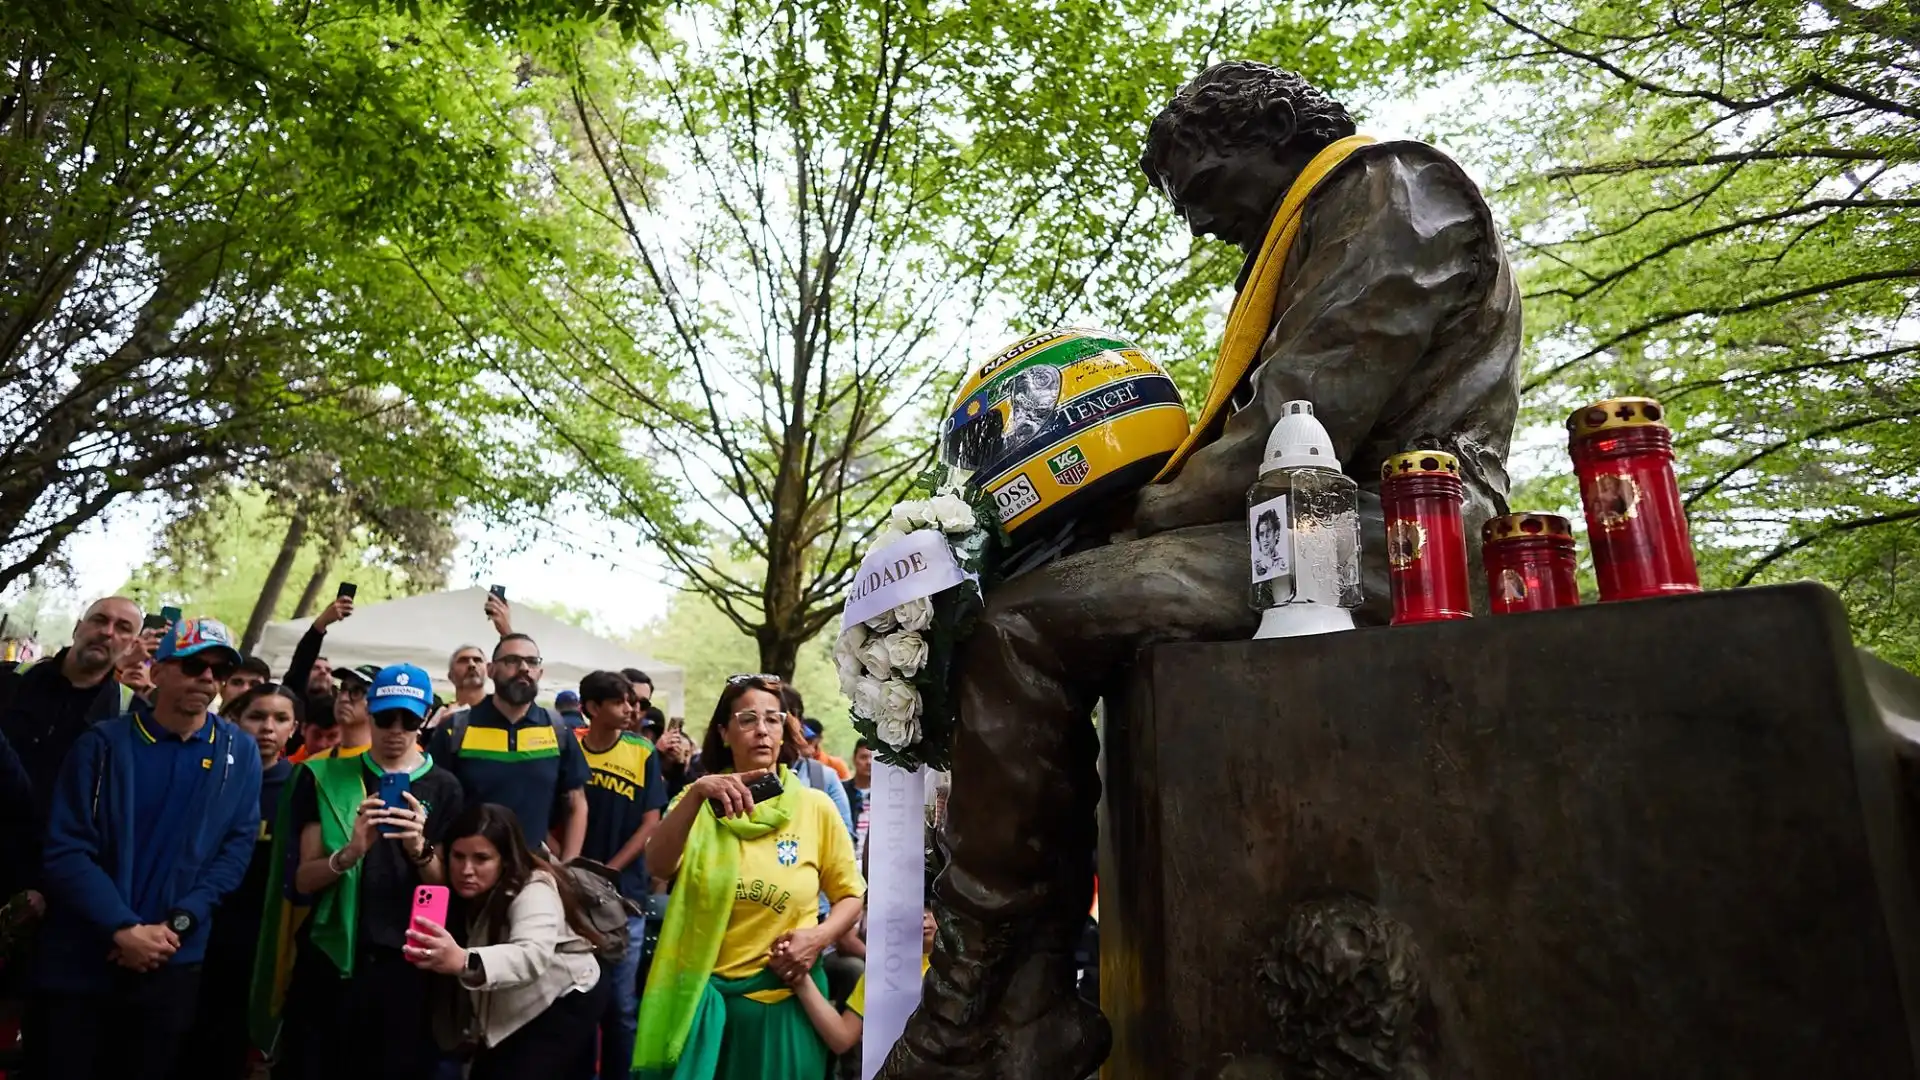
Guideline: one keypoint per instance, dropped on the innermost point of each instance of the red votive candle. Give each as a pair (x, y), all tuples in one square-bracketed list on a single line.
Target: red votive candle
[(1623, 454), (1421, 496), (1530, 563)]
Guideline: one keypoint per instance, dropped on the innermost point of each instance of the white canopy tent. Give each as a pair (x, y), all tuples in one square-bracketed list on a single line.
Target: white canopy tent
[(425, 630)]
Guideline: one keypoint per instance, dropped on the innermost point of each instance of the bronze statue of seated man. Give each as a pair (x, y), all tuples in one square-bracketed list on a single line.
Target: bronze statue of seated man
[(1397, 317)]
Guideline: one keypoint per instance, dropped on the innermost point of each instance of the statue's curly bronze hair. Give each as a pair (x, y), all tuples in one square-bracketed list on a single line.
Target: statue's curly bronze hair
[(1242, 103)]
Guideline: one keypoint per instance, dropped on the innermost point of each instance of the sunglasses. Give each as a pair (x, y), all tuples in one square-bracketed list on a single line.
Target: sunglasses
[(194, 666), (353, 691), (387, 719)]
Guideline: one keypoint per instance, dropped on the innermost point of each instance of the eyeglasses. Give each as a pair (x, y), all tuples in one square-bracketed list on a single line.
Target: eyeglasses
[(387, 719), (353, 691), (511, 662), (749, 718), (736, 680), (195, 666)]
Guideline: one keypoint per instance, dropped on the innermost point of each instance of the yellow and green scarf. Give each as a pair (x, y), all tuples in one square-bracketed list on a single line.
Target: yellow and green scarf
[(679, 982)]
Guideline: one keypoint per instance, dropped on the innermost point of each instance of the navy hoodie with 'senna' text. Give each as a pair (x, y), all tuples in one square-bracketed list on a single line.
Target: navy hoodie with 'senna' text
[(90, 865)]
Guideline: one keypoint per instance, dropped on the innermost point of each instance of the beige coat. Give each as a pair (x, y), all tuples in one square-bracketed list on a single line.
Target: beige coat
[(539, 962)]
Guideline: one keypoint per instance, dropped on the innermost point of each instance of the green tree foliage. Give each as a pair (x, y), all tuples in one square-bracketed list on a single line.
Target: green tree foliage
[(235, 233), (696, 635), (1719, 210), (829, 206), (215, 562)]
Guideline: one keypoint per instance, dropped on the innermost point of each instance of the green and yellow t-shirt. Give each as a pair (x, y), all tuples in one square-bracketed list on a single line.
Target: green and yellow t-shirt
[(857, 1001), (781, 876)]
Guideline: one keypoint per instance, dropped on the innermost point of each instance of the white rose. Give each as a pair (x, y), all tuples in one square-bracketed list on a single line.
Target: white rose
[(952, 513), (882, 622), (899, 720), (886, 536), (915, 615), (869, 698), (910, 515), (846, 656), (875, 658), (907, 651)]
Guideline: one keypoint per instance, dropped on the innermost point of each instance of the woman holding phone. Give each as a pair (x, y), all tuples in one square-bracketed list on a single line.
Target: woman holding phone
[(746, 869), (537, 986), (355, 1006)]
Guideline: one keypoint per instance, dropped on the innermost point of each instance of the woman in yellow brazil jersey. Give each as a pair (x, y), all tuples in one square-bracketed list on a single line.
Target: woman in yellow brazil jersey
[(746, 874)]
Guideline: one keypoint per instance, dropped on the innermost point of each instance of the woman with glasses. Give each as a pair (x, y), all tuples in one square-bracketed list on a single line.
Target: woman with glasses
[(745, 876), (355, 1006)]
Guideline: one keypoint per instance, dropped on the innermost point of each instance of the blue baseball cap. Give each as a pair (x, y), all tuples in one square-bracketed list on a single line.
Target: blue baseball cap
[(401, 686), (566, 701), (190, 637), (810, 729)]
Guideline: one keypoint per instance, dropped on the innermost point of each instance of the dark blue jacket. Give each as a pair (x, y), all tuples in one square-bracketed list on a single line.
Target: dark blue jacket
[(89, 861)]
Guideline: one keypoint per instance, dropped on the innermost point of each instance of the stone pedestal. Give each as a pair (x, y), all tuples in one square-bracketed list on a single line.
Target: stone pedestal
[(1664, 839)]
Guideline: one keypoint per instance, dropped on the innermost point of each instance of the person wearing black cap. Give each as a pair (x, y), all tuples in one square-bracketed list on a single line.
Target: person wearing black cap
[(350, 711)]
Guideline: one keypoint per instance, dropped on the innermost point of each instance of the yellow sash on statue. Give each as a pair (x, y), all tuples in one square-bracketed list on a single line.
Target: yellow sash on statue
[(1252, 312)]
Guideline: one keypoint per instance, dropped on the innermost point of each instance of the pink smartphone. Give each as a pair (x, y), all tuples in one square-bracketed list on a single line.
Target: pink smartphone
[(430, 902)]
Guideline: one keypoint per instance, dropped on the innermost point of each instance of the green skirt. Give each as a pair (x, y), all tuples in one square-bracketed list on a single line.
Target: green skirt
[(737, 1038)]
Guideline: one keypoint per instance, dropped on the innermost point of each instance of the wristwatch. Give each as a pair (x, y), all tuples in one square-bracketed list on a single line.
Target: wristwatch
[(425, 856), (181, 922)]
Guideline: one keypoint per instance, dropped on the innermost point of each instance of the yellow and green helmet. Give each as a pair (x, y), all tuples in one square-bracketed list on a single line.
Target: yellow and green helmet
[(1060, 422)]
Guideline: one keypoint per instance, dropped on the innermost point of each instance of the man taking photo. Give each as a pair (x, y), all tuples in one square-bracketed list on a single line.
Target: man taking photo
[(153, 820)]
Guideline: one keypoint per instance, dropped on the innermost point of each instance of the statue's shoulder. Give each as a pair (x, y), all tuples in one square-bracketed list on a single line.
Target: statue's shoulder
[(1389, 173), (1412, 157)]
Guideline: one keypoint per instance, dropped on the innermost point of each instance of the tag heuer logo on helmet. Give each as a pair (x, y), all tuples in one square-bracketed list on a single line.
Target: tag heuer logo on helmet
[(1069, 466)]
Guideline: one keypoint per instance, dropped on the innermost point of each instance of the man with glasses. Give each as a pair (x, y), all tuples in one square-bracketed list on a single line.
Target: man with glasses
[(350, 716), (153, 821), (508, 750)]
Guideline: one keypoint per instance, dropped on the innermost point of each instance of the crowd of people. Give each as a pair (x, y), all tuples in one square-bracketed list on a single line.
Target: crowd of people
[(209, 873)]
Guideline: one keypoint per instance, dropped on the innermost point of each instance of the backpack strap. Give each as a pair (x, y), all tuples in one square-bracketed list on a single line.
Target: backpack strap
[(457, 725)]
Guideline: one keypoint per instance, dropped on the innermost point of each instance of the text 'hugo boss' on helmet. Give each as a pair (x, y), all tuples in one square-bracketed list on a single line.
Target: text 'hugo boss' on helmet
[(1060, 422)]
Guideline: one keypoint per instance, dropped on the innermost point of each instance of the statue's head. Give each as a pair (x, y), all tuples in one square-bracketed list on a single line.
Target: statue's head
[(1230, 142)]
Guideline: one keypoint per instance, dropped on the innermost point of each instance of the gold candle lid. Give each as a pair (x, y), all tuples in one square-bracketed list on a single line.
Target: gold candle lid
[(1526, 523), (1615, 413), (1416, 462)]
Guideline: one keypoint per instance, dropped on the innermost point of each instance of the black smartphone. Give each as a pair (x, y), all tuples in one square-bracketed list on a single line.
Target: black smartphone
[(499, 591), (763, 789), (154, 622), (348, 589), (171, 614)]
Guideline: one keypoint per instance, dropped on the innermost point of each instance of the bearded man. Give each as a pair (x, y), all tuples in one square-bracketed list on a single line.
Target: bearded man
[(1389, 305), (508, 750)]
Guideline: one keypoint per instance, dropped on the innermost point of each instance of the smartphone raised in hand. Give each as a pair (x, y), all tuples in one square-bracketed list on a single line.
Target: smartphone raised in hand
[(348, 589), (393, 790), (430, 903), (763, 789), (154, 622), (171, 614)]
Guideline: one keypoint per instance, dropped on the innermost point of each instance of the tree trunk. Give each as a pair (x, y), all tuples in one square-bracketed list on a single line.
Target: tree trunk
[(276, 581), (322, 570), (778, 652)]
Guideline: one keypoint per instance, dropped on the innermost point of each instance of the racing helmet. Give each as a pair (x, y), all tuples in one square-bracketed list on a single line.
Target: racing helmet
[(1060, 422)]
